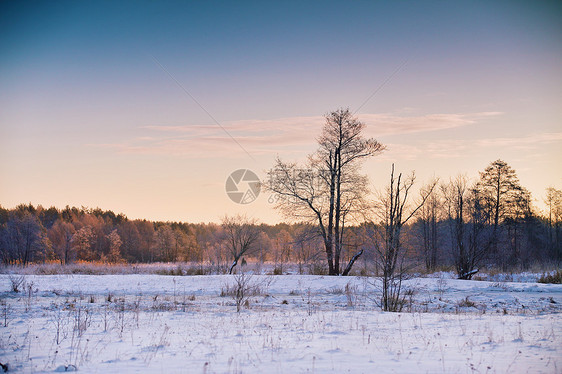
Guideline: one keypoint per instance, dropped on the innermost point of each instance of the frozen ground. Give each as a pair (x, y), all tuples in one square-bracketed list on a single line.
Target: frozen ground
[(291, 324)]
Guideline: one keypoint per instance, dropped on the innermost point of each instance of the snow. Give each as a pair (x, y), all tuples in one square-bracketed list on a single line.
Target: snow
[(292, 324)]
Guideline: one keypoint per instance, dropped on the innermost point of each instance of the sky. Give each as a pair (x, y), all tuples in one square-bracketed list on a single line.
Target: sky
[(147, 107)]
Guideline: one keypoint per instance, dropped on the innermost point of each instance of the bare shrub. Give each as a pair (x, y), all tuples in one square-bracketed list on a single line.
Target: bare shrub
[(336, 290), (311, 306), (17, 283), (29, 295), (244, 287), (59, 322), (441, 285), (317, 269), (82, 319), (351, 295), (466, 303), (120, 316)]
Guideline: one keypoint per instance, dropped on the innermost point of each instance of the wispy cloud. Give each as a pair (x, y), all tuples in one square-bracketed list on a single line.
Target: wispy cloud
[(455, 148), (523, 143), (283, 135), (388, 124)]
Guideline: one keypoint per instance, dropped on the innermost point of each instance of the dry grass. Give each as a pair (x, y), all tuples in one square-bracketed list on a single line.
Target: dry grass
[(555, 277)]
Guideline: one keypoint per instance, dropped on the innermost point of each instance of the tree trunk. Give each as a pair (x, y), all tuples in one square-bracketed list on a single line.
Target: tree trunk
[(329, 255), (351, 262), (234, 263)]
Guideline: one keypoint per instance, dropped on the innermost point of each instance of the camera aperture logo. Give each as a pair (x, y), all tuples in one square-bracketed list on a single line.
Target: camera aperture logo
[(243, 186)]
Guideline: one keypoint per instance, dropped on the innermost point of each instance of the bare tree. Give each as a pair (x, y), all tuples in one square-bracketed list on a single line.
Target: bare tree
[(60, 235), (146, 240), (467, 224), (282, 248), (241, 235), (213, 245), (131, 248), (23, 238), (329, 188), (394, 212), (306, 246), (429, 217), (519, 212), (164, 243), (554, 203)]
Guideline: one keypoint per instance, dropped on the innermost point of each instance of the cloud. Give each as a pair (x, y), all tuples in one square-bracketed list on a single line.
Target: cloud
[(456, 148), (387, 124), (283, 135), (523, 143)]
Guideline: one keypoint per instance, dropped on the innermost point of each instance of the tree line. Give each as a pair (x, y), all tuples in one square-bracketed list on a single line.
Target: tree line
[(455, 227), (34, 234)]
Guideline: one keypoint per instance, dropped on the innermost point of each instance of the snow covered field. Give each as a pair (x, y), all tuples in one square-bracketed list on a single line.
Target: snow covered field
[(290, 324)]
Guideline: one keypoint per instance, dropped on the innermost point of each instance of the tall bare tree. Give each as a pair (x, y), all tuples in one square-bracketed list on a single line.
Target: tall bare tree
[(241, 235), (429, 217), (394, 211), (328, 189)]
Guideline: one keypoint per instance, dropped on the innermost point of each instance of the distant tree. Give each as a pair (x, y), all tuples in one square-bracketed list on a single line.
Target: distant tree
[(131, 248), (82, 242), (60, 234), (329, 187), (429, 217), (146, 237), (265, 249), (48, 217), (4, 215), (190, 250), (23, 237), (241, 235), (518, 214), (216, 248), (185, 246), (554, 204), (115, 242), (468, 226), (211, 240), (498, 188), (165, 243), (282, 248), (307, 245)]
